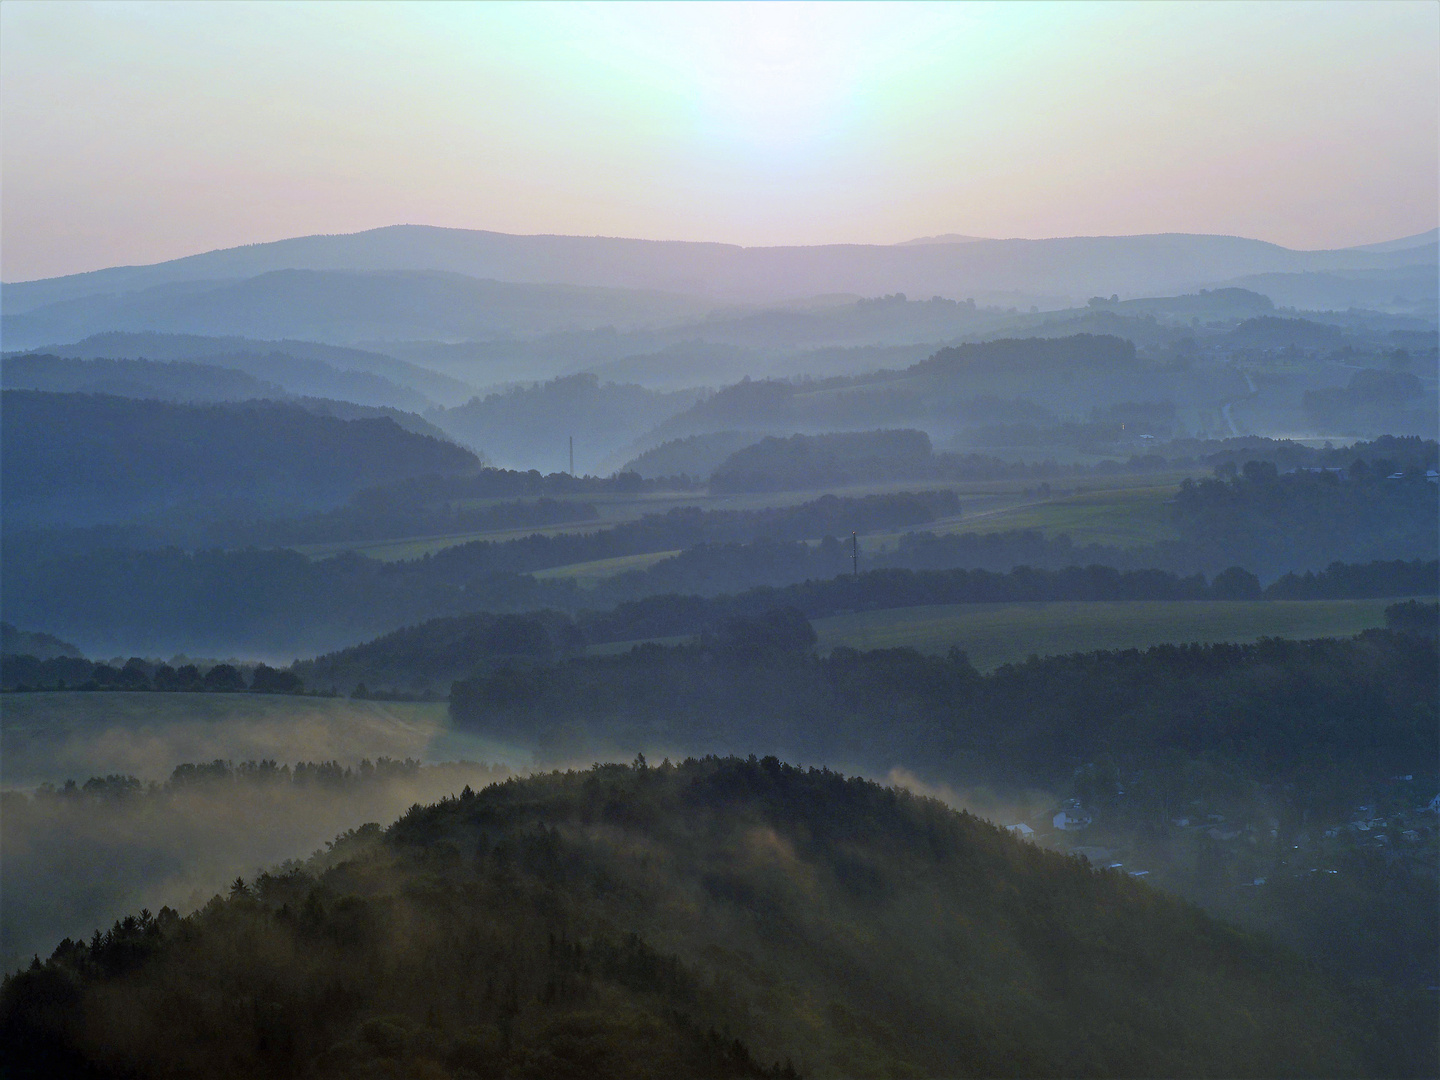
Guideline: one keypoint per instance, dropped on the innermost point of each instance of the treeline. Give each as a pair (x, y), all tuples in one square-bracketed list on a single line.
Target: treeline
[(669, 615), (1374, 400), (1359, 581), (1270, 522), (489, 483), (418, 505), (264, 773), (433, 654), (21, 673), (1383, 455), (429, 655), (801, 462), (394, 512), (219, 601), (420, 661), (688, 526), (1414, 617), (228, 601), (1324, 716), (1274, 522)]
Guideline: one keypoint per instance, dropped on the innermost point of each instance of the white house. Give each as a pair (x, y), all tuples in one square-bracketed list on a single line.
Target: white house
[(1070, 819), (1022, 830)]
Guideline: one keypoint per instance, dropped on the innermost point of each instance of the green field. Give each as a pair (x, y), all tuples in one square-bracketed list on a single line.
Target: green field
[(995, 634), (1123, 510), (589, 574), (73, 734), (1124, 517), (417, 547)]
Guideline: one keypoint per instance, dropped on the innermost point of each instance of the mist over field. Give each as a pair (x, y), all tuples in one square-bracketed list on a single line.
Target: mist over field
[(735, 541), (75, 861)]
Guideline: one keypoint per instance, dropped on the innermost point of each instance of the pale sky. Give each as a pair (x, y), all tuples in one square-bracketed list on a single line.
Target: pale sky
[(137, 132)]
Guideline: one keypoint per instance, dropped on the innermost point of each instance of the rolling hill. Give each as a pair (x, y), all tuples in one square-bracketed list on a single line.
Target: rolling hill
[(88, 458), (347, 306), (719, 918), (197, 348), (1074, 267)]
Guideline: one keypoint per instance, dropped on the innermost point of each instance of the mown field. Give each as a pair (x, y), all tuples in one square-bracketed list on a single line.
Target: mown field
[(995, 634), (55, 736)]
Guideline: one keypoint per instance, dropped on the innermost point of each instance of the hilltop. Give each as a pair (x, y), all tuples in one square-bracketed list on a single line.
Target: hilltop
[(722, 917)]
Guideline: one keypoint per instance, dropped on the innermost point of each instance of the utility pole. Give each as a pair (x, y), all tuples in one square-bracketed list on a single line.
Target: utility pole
[(855, 555), (572, 455)]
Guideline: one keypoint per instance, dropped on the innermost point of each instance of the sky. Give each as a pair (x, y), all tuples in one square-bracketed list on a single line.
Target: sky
[(136, 132)]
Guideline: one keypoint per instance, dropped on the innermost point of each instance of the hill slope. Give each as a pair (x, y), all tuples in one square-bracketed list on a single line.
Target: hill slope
[(347, 306), (201, 349), (86, 458), (685, 920)]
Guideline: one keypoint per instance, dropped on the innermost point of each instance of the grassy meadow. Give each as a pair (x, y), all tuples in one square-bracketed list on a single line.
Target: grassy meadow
[(995, 634), (1122, 516), (589, 574)]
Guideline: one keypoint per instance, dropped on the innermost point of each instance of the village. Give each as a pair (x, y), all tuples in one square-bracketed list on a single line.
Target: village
[(1226, 843)]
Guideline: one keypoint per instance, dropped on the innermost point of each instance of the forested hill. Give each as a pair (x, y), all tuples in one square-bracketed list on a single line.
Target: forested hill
[(87, 458), (719, 918)]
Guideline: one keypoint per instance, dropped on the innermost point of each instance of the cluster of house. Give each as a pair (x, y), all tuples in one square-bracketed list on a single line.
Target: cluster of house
[(1068, 818), (1377, 829)]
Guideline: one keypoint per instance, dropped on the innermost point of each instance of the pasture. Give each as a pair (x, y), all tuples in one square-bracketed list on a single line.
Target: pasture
[(996, 634)]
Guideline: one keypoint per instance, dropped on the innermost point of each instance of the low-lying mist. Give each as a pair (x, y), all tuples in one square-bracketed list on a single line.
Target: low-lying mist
[(57, 736), (143, 833), (184, 794), (78, 857)]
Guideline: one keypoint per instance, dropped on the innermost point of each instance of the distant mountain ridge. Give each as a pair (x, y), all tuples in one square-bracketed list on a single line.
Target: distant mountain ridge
[(943, 238), (307, 360), (1068, 266), (345, 305), (1404, 243)]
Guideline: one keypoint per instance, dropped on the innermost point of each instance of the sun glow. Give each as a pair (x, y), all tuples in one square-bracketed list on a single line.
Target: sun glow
[(752, 123)]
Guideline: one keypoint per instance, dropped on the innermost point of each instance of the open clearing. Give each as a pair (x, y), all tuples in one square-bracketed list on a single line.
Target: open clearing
[(995, 634), (54, 736)]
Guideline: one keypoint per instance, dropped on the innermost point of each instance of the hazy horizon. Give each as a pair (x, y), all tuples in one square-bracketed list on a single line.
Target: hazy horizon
[(755, 125), (914, 241)]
